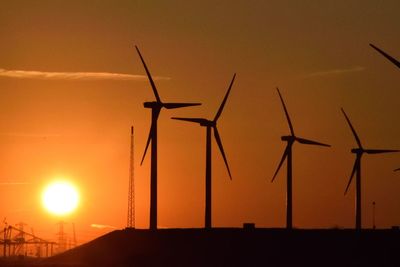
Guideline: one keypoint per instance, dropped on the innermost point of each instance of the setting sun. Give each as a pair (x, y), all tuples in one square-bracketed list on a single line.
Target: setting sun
[(60, 198)]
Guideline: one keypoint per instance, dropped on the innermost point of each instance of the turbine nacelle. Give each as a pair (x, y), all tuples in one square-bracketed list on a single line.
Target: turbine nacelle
[(208, 123), (153, 104), (288, 138), (159, 105), (358, 151), (201, 121)]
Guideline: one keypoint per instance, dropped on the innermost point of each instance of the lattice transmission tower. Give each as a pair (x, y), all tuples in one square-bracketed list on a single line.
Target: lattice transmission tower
[(131, 191)]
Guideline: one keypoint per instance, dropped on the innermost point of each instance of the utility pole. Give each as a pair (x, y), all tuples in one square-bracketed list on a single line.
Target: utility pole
[(62, 243), (131, 191), (5, 242), (74, 244), (5, 237)]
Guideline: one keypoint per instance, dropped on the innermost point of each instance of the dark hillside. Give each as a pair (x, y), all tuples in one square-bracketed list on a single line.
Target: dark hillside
[(236, 247)]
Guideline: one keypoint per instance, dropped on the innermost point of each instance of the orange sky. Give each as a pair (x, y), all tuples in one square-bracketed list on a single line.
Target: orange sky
[(317, 53)]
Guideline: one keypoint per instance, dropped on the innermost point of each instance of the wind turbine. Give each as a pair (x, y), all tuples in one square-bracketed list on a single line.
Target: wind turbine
[(290, 139), (155, 107), (357, 169), (390, 58), (211, 125)]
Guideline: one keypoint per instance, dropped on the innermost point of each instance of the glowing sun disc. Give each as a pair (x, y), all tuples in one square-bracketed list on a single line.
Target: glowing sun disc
[(60, 198)]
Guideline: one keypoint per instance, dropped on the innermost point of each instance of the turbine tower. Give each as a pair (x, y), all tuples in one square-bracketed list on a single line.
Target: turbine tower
[(357, 169), (155, 107), (211, 125), (390, 58), (290, 139), (131, 192)]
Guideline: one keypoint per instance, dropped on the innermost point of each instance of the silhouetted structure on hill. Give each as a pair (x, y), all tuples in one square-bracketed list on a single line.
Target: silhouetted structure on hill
[(357, 169), (290, 139), (155, 107), (211, 125)]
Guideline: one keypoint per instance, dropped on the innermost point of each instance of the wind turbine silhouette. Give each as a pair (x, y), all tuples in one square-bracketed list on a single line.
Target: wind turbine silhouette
[(357, 169), (211, 124), (390, 58), (290, 139), (155, 107)]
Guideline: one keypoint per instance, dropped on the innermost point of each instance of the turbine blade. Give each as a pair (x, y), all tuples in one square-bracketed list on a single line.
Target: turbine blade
[(153, 86), (149, 138), (380, 151), (356, 163), (221, 148), (147, 145), (179, 105), (196, 120), (225, 98), (352, 129), (281, 162), (390, 58), (310, 142), (286, 112)]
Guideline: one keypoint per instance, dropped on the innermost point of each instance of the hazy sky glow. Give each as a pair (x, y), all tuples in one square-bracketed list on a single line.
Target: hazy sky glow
[(84, 87)]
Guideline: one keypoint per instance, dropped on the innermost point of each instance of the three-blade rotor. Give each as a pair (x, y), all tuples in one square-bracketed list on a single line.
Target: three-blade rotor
[(213, 124), (292, 138), (390, 58), (360, 151), (158, 105)]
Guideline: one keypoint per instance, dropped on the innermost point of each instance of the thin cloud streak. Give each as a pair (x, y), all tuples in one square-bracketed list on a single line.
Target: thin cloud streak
[(88, 76), (335, 72), (14, 183), (102, 226), (32, 135)]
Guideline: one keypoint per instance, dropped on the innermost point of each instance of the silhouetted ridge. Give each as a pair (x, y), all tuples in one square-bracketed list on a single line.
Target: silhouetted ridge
[(237, 247)]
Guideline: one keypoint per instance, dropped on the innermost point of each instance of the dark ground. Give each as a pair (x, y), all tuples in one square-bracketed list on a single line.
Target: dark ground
[(232, 247)]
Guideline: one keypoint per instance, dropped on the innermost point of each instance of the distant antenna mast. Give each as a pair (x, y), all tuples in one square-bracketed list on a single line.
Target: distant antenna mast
[(131, 193)]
